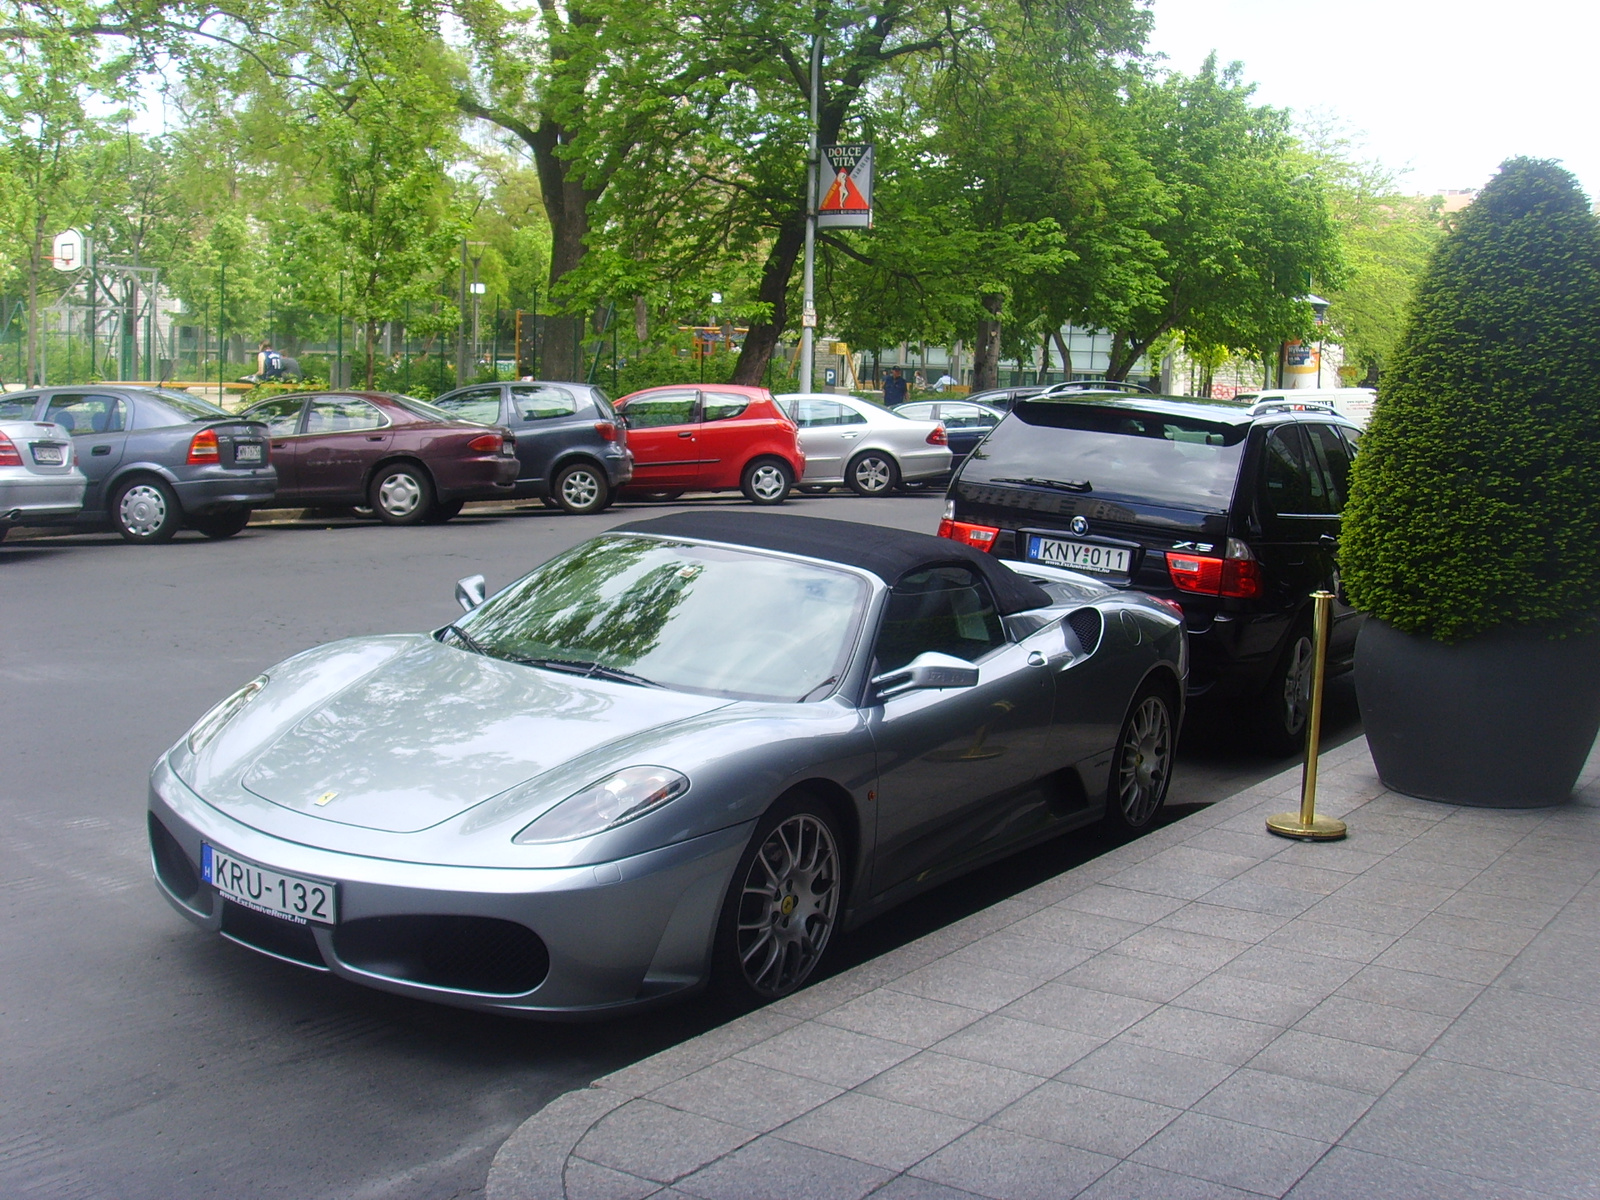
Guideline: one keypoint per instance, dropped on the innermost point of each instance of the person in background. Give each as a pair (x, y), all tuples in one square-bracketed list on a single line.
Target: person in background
[(894, 388), (269, 363), (943, 382), (920, 382)]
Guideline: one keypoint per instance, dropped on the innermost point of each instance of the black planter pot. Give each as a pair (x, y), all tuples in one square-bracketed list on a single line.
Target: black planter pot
[(1505, 720)]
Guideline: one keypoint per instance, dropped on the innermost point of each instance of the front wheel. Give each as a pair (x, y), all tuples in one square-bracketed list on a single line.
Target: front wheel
[(872, 473), (145, 510), (582, 489), (223, 524), (767, 481), (1284, 709), (1142, 768), (401, 494), (783, 904)]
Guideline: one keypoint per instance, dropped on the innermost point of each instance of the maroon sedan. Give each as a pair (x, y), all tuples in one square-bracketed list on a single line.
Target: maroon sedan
[(410, 461)]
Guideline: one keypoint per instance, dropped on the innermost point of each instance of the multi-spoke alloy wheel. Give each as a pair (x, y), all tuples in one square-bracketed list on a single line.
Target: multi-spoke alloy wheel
[(786, 905), (1297, 686), (873, 474), (1143, 764), (581, 489), (767, 481), (1284, 708)]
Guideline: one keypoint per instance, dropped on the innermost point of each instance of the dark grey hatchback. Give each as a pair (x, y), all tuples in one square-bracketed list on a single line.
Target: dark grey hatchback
[(572, 451), (1230, 512), (156, 460)]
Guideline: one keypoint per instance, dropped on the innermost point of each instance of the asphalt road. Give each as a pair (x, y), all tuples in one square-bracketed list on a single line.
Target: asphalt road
[(143, 1058)]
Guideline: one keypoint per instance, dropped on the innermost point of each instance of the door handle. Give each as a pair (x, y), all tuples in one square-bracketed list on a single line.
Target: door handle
[(101, 450), (280, 445), (686, 434), (1328, 542), (1035, 659), (375, 437)]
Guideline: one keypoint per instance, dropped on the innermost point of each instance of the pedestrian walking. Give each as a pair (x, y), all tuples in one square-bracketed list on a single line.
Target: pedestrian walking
[(894, 388)]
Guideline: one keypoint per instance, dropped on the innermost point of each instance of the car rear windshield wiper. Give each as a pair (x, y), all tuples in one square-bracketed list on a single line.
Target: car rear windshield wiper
[(1060, 485), (590, 670), (467, 641)]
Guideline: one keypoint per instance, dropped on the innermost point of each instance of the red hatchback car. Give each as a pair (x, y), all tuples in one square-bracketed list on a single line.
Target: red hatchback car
[(711, 439), (410, 461)]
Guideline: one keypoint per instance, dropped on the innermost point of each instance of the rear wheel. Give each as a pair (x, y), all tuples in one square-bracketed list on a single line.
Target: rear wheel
[(767, 481), (145, 510), (401, 494), (223, 524), (1142, 768), (872, 473), (1284, 708), (582, 488), (783, 905)]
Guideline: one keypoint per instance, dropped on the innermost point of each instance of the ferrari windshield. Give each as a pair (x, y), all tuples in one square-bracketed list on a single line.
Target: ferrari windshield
[(709, 619)]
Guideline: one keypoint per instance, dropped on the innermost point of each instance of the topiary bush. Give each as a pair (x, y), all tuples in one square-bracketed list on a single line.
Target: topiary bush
[(1475, 500)]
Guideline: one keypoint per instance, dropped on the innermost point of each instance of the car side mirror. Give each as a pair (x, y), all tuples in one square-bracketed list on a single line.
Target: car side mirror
[(470, 592), (926, 671)]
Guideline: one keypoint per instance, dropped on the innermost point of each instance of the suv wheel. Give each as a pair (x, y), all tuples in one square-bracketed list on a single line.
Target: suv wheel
[(1285, 707), (872, 473), (767, 481)]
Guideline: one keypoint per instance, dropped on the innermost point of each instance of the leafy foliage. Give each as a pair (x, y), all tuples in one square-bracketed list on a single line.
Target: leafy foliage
[(1473, 502)]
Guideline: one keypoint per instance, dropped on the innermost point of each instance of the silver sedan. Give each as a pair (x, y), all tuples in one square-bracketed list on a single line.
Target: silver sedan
[(39, 475), (870, 449), (689, 750)]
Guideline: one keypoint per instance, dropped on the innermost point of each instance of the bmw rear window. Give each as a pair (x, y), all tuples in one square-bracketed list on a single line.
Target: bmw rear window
[(1175, 460)]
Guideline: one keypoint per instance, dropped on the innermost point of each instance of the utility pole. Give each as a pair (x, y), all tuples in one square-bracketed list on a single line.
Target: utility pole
[(461, 328), (808, 310)]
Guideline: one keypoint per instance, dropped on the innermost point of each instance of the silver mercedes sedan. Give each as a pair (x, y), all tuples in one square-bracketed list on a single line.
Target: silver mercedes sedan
[(39, 475), (870, 450), (689, 751)]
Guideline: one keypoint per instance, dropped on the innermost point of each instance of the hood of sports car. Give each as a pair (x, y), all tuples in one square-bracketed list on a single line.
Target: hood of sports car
[(436, 730)]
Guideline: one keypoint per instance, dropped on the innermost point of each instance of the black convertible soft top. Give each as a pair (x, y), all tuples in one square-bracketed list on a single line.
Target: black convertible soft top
[(890, 554)]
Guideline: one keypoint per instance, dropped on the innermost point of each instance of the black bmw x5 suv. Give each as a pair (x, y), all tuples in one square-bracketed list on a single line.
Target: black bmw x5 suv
[(1232, 512)]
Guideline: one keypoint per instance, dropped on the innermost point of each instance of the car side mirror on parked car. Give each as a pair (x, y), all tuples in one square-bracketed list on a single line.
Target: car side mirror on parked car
[(928, 670), (470, 592)]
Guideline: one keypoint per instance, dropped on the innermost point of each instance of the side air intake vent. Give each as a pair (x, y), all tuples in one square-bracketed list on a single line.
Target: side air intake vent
[(469, 954), (172, 865), (1086, 623)]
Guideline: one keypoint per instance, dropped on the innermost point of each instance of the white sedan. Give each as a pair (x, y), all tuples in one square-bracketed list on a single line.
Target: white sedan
[(870, 449)]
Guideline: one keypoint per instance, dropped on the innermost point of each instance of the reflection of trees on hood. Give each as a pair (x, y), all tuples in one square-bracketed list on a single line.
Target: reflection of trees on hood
[(566, 608)]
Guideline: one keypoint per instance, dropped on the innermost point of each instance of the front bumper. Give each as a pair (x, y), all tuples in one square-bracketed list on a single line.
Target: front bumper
[(618, 935), (211, 489), (32, 496)]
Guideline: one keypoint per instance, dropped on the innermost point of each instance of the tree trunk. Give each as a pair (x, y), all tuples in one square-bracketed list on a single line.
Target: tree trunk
[(762, 340), (986, 348), (372, 343), (641, 320), (1066, 356)]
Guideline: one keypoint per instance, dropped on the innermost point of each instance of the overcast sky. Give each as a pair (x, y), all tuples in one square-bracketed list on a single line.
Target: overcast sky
[(1448, 90)]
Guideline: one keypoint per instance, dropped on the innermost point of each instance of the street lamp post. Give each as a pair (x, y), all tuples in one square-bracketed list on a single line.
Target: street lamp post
[(808, 310)]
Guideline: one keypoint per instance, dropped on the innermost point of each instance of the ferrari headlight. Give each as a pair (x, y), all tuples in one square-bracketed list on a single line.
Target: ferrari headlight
[(208, 726), (614, 800)]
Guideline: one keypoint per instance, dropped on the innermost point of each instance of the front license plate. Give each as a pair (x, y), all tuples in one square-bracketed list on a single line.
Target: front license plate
[(49, 456), (1080, 556), (289, 896), (247, 452)]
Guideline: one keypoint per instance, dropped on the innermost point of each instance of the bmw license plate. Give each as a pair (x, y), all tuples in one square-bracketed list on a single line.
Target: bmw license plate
[(247, 452), (292, 897), (1080, 556), (49, 456)]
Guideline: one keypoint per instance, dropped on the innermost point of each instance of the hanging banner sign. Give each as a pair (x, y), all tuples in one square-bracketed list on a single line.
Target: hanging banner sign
[(846, 188)]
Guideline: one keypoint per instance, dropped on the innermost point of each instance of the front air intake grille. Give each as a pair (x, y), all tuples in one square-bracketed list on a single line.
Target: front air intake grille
[(1086, 623), (172, 865), (467, 954), (272, 935)]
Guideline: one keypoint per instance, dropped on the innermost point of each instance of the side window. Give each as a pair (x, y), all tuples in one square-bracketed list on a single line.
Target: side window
[(724, 406), (88, 413), (663, 408), (916, 412), (476, 404), (964, 416), (342, 415), (282, 415), (849, 416), (1286, 479), (1335, 462), (17, 407), (945, 609), (542, 403), (816, 414)]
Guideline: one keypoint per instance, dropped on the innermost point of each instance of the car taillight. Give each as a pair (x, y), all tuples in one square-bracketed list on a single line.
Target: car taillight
[(607, 430), (979, 537), (937, 437), (1236, 575), (203, 447), (486, 443), (8, 453)]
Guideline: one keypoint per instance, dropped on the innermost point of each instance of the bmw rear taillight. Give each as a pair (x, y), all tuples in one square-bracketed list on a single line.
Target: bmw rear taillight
[(1235, 576), (607, 430), (937, 437), (203, 448), (979, 537), (486, 443), (8, 453)]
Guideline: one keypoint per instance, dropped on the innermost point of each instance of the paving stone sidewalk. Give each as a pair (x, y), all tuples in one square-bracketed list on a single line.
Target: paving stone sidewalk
[(1208, 1012)]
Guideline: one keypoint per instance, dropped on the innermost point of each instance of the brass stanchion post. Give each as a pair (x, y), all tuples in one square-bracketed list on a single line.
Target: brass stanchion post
[(1306, 825)]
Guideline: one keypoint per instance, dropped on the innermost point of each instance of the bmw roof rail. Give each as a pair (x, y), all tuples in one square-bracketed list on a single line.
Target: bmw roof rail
[(1277, 404), (1094, 385)]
